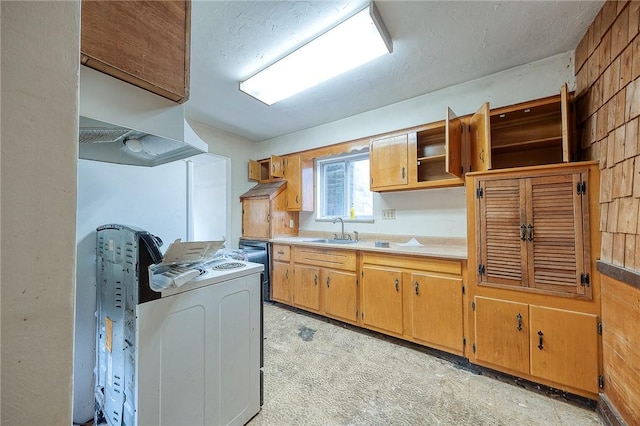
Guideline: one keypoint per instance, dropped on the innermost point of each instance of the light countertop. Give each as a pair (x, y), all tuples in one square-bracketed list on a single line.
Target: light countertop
[(447, 248)]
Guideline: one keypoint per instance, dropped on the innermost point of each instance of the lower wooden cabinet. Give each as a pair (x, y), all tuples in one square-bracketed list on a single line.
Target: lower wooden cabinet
[(281, 273), (556, 345), (340, 295), (382, 299), (306, 287), (415, 298), (325, 282), (436, 303)]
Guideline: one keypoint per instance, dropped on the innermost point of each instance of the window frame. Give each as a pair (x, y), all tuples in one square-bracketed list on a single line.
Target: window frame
[(343, 158)]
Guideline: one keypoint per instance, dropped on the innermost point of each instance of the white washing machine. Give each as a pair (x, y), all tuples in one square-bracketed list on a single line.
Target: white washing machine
[(190, 355)]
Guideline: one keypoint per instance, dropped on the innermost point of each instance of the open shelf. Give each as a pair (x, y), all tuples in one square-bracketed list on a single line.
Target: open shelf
[(431, 154)]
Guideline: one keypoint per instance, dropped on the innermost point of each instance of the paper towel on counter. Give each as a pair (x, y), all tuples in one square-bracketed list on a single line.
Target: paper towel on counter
[(411, 243)]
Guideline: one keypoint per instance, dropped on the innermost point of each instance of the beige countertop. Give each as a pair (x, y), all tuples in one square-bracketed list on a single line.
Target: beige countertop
[(447, 248)]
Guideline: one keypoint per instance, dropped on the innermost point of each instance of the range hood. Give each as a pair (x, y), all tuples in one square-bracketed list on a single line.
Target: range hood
[(111, 143)]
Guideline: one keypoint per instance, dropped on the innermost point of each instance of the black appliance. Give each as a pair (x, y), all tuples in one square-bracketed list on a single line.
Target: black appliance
[(259, 251)]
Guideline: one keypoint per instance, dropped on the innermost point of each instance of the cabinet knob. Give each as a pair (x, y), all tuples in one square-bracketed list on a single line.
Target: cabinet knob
[(397, 285)]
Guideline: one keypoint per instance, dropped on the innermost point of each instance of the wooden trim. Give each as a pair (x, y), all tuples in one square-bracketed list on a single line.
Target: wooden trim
[(619, 273), (608, 413)]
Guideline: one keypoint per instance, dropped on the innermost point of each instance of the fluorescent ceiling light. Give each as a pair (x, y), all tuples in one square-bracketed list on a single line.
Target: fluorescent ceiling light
[(353, 42)]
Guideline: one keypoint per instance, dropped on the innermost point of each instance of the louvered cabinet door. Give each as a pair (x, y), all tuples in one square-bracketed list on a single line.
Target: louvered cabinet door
[(501, 250), (556, 235)]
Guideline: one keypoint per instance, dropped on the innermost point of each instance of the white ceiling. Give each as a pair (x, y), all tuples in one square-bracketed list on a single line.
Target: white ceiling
[(436, 44)]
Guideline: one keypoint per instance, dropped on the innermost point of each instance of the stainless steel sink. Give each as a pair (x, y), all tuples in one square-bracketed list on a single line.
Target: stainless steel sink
[(334, 241)]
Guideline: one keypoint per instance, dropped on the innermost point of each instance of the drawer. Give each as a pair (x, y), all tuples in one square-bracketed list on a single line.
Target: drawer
[(281, 252), (327, 258)]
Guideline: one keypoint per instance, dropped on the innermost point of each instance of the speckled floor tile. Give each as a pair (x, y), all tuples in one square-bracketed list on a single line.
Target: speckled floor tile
[(319, 373)]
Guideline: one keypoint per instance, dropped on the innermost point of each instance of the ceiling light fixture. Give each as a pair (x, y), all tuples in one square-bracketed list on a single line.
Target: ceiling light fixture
[(355, 41)]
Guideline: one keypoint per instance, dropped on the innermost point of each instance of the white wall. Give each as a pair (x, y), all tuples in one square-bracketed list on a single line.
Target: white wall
[(210, 204), (439, 212), (239, 151), (40, 61)]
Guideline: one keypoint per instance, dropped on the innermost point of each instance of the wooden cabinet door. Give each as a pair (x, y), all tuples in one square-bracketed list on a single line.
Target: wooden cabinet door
[(306, 287), (281, 282), (564, 347), (276, 169), (453, 144), (340, 294), (293, 175), (502, 333), (556, 235), (382, 298), (256, 217), (145, 43), (388, 161), (437, 310), (480, 142), (255, 170), (500, 246)]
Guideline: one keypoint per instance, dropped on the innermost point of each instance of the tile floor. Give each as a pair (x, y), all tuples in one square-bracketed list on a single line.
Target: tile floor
[(321, 373)]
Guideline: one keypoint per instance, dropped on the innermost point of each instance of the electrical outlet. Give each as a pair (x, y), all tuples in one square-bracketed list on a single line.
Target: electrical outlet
[(291, 223), (389, 214)]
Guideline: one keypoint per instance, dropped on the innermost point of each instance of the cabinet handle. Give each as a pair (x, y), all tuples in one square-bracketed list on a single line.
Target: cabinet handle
[(315, 279), (297, 199), (273, 168), (403, 173), (416, 286), (540, 336), (530, 232), (280, 252), (523, 232), (397, 285), (482, 155), (519, 318), (269, 218), (286, 274), (328, 281)]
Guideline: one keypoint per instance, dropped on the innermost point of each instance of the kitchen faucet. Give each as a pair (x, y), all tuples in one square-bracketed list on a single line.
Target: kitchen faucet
[(342, 235)]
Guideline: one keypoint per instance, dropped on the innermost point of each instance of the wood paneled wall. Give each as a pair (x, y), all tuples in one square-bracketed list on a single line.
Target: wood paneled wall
[(608, 106)]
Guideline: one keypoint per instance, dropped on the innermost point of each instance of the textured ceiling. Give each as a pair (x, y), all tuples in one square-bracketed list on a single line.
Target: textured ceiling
[(435, 44)]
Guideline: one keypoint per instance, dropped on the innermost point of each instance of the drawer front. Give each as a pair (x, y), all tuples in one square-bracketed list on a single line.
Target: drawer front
[(443, 266), (328, 258), (281, 253)]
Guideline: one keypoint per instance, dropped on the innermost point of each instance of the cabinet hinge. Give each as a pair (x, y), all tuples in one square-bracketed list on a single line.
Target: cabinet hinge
[(473, 348), (356, 314), (581, 187), (600, 328), (585, 280), (357, 282), (362, 274), (371, 181), (362, 314), (481, 270), (479, 193), (473, 306), (464, 341), (601, 382), (469, 128), (463, 290)]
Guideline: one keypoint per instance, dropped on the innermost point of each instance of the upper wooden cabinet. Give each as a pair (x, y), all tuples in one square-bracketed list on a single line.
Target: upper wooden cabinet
[(263, 212), (527, 134), (533, 232), (145, 43), (389, 161), (299, 176), (266, 170), (429, 157)]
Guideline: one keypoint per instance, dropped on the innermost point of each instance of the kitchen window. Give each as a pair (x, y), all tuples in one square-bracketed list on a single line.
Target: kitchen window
[(343, 184)]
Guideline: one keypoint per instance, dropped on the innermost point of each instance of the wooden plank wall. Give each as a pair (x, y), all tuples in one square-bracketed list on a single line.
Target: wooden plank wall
[(620, 343), (608, 106)]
